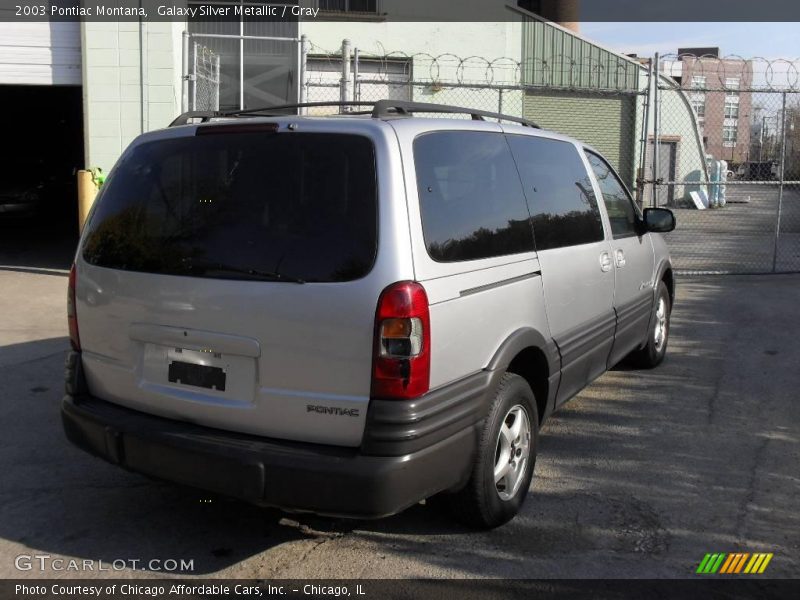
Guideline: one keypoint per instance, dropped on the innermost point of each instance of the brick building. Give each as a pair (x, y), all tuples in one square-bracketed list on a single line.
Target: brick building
[(719, 92)]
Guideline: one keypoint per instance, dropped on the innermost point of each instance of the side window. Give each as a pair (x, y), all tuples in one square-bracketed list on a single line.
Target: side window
[(470, 196), (622, 213), (559, 192)]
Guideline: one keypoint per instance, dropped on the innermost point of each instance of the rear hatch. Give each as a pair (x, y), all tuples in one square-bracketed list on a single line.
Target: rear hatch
[(224, 279)]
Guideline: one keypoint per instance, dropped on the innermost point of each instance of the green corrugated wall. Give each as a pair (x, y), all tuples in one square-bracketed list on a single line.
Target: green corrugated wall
[(582, 90), (557, 58), (608, 123)]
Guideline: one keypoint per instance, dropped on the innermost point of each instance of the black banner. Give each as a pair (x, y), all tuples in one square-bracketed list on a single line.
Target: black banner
[(401, 10), (442, 589)]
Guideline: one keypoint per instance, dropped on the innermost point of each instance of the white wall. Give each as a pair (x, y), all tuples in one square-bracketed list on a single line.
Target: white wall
[(480, 43), (488, 40), (132, 84)]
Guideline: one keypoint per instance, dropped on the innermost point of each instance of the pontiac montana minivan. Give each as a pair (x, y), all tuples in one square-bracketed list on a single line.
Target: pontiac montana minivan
[(349, 314)]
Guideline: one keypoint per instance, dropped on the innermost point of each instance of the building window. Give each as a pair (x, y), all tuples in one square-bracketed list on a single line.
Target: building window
[(378, 78), (729, 135), (698, 81), (355, 6), (731, 83), (732, 107), (698, 102)]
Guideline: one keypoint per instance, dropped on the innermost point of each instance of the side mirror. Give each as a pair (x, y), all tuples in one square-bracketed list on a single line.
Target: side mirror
[(658, 220)]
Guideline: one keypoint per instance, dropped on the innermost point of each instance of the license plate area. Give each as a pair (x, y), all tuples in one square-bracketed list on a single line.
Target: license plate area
[(203, 376)]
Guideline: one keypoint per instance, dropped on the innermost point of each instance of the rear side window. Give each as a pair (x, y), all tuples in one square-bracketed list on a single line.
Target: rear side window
[(241, 205), (622, 213), (559, 192), (470, 196)]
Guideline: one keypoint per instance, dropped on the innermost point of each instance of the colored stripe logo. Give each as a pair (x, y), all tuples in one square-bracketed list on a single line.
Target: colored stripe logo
[(734, 563)]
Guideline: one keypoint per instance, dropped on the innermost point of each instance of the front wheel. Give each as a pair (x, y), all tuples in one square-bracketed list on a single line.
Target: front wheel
[(655, 349), (503, 467)]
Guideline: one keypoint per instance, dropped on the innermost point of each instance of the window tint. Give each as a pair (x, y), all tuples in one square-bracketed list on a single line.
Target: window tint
[(622, 213), (470, 196), (559, 192), (230, 205)]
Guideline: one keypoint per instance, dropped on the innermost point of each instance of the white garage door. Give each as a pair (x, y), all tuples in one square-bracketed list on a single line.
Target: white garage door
[(46, 53)]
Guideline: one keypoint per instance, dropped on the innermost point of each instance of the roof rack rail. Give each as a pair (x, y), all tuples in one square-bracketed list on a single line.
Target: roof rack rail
[(388, 108), (381, 109), (203, 115), (270, 109)]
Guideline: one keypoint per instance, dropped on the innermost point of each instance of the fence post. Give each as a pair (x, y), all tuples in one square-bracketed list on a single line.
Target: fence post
[(303, 91), (344, 82), (648, 98), (356, 86), (185, 74), (656, 124), (216, 82), (780, 185), (193, 105), (500, 101)]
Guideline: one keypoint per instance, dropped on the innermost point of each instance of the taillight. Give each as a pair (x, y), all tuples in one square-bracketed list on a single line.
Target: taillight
[(72, 315), (402, 363)]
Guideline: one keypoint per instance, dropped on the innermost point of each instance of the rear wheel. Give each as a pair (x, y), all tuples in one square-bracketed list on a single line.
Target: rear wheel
[(655, 348), (503, 467)]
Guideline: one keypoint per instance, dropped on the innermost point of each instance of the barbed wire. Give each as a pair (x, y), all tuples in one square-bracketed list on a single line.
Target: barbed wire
[(733, 72), (450, 68), (562, 70)]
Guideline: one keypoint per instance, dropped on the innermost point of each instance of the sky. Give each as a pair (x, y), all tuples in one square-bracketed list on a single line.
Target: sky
[(748, 40)]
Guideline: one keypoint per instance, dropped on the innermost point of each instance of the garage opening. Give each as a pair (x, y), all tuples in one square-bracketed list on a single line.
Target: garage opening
[(43, 139)]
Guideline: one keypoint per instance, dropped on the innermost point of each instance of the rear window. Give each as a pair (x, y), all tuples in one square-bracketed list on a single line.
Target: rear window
[(241, 205)]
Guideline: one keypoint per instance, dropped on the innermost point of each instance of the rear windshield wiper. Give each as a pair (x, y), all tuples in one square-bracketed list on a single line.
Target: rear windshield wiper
[(209, 265)]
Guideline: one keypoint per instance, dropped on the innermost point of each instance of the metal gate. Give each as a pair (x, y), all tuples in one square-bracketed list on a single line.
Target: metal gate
[(231, 64), (203, 78)]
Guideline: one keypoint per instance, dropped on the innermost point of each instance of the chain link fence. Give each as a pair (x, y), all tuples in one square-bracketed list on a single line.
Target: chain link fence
[(583, 99), (204, 78), (717, 140), (743, 214)]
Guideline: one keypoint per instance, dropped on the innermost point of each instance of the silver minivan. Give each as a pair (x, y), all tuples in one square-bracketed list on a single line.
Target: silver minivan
[(350, 314)]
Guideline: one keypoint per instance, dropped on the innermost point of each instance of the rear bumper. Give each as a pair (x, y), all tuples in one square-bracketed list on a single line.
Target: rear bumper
[(414, 464)]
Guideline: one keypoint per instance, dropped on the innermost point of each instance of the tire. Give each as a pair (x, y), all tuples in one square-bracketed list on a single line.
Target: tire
[(655, 349), (483, 503)]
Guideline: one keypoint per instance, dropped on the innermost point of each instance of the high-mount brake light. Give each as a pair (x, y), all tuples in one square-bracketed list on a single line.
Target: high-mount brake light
[(237, 128)]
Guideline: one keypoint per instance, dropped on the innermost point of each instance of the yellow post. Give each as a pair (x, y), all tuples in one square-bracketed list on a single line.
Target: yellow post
[(87, 190)]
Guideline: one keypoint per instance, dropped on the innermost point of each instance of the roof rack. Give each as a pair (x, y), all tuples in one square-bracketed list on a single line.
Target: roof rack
[(203, 115), (389, 108), (381, 109), (271, 109)]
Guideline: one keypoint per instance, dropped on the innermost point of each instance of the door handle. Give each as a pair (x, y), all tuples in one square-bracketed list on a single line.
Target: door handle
[(619, 256), (605, 262)]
